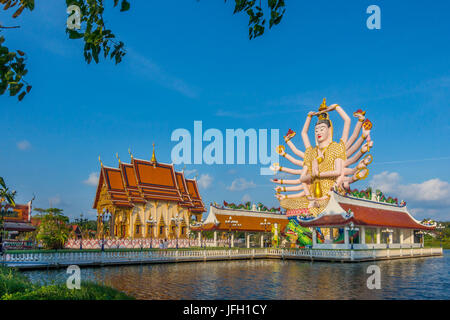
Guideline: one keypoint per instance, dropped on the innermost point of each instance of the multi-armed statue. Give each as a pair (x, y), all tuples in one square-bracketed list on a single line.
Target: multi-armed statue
[(325, 167)]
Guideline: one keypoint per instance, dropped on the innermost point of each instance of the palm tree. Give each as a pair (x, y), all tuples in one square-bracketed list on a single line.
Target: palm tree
[(6, 198)]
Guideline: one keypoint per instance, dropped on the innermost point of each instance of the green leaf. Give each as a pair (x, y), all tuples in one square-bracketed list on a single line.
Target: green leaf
[(125, 6)]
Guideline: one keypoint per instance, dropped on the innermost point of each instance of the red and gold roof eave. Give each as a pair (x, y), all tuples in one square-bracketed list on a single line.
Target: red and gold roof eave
[(141, 192), (367, 213)]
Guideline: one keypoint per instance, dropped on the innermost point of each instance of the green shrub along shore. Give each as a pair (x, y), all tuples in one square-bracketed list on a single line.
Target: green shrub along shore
[(15, 286)]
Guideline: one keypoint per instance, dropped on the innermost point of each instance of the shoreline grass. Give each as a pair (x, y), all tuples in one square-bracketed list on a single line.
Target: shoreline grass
[(16, 286)]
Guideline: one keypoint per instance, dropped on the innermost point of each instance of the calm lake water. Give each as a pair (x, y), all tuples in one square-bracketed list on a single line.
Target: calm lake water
[(418, 278)]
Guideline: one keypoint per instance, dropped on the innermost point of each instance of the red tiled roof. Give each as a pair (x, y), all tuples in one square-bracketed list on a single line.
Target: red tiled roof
[(367, 214), (145, 180)]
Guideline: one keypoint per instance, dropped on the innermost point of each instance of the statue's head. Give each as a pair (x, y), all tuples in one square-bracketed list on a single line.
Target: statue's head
[(323, 129)]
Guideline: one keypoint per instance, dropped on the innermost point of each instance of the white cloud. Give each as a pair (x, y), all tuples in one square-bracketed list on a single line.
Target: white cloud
[(429, 199), (189, 172), (241, 184), (23, 145), (246, 198), (92, 180), (205, 181), (386, 181), (154, 72)]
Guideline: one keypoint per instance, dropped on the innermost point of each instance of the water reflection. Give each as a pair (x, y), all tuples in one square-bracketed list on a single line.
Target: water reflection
[(419, 278)]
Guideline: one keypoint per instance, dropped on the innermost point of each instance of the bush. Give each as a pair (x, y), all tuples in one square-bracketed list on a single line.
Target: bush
[(15, 286), (11, 281)]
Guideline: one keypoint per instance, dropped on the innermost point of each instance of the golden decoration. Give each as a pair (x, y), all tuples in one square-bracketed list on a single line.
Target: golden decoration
[(280, 150), (323, 106), (360, 176), (370, 157)]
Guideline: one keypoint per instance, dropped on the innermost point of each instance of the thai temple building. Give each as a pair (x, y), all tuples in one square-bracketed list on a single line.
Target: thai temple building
[(17, 219), (146, 199), (260, 224)]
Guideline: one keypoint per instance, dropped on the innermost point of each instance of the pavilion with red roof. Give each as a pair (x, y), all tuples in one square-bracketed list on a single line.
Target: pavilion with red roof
[(366, 224)]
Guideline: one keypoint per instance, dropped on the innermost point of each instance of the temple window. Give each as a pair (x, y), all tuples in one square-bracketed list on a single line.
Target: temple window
[(183, 230), (161, 230), (396, 236), (371, 235), (138, 227)]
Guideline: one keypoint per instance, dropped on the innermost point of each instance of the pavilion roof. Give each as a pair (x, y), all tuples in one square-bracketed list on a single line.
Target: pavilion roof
[(342, 210), (247, 220)]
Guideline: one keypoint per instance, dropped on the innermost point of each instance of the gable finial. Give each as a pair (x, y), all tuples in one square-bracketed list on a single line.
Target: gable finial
[(100, 160), (131, 155), (118, 158), (153, 154)]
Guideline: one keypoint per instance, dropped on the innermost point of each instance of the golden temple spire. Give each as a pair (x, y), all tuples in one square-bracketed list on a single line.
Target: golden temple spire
[(131, 155), (100, 160), (118, 158), (153, 154)]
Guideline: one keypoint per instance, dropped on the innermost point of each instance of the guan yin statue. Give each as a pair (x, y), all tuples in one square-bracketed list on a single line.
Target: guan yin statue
[(325, 167)]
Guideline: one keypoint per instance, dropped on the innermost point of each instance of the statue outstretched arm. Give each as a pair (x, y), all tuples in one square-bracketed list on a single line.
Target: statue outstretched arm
[(365, 148), (305, 137), (357, 129), (295, 150), (289, 170), (347, 123), (286, 189), (352, 149), (290, 196), (292, 159), (282, 181)]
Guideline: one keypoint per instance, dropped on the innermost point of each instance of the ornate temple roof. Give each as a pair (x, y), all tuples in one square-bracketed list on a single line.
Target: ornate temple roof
[(245, 220), (342, 210), (18, 218), (195, 196), (143, 180)]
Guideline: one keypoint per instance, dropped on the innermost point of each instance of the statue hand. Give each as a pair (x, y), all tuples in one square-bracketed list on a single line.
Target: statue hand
[(280, 196)]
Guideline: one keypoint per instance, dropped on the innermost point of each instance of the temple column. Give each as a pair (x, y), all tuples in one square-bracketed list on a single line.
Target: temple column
[(247, 240), (362, 235), (378, 236), (199, 239), (401, 236), (346, 237), (232, 239), (314, 237), (262, 240), (215, 238)]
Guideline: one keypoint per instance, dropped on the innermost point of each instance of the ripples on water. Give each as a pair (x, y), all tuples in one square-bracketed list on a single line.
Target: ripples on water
[(418, 278)]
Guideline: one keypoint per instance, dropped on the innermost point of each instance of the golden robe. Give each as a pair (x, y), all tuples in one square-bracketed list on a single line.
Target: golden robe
[(330, 153)]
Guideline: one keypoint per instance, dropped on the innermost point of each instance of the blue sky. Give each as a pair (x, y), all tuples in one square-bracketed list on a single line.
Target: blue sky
[(192, 60)]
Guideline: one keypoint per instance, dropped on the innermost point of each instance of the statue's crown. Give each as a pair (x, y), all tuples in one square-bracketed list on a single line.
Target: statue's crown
[(323, 106)]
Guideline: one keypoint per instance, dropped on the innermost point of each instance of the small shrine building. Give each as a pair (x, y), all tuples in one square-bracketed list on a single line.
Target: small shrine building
[(228, 219)]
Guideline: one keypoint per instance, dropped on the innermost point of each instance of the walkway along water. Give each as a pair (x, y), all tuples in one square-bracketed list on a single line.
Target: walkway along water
[(37, 260)]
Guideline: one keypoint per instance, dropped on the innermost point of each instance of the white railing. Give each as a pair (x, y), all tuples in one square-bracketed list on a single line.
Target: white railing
[(147, 256)]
